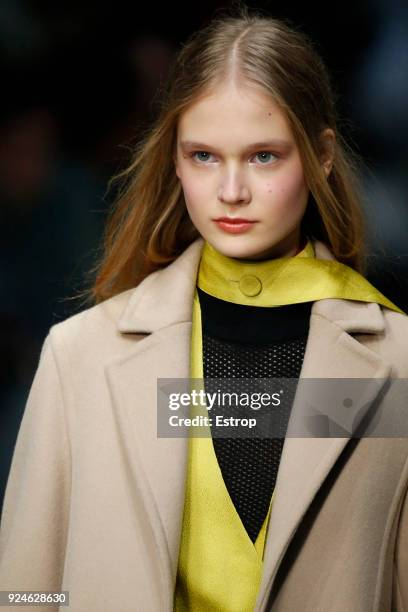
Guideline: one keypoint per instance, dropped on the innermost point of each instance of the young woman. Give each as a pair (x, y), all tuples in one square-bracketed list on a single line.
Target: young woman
[(235, 250)]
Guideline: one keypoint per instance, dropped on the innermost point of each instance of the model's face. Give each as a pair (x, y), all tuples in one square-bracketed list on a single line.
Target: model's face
[(236, 158)]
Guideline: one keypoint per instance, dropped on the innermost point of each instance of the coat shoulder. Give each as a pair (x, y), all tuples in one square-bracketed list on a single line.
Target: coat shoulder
[(396, 328), (392, 343), (106, 313), (92, 332)]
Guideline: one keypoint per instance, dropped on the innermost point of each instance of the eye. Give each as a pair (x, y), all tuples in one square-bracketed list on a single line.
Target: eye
[(203, 156), (265, 156)]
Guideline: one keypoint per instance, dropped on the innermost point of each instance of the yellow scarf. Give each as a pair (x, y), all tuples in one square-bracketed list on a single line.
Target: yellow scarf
[(289, 280), (219, 567)]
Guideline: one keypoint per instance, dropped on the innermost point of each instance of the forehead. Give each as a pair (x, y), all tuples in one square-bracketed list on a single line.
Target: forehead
[(235, 115)]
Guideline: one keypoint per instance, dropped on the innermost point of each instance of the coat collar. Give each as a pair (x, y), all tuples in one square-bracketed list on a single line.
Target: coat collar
[(161, 308), (165, 298)]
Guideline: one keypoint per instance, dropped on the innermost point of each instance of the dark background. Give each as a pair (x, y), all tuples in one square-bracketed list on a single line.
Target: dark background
[(78, 81)]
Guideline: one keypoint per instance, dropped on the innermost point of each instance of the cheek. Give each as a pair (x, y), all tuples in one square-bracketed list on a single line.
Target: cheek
[(287, 188), (191, 195), (196, 191)]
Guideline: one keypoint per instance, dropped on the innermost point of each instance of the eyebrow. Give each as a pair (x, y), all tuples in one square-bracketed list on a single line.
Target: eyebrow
[(276, 142)]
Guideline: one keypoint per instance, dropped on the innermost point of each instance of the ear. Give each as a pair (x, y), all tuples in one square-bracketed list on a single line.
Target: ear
[(328, 140)]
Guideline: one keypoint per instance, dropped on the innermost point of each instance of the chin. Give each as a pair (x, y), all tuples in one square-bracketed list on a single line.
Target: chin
[(235, 248)]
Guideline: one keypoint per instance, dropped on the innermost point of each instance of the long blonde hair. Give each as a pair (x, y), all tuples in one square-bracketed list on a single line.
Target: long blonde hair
[(149, 226)]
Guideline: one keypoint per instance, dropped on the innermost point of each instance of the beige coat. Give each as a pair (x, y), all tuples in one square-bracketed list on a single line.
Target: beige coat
[(94, 499)]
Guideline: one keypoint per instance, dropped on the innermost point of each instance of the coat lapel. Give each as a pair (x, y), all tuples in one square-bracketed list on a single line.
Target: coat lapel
[(157, 466), (331, 352), (161, 309)]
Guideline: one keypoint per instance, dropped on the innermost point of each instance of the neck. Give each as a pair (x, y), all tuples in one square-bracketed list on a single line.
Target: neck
[(261, 261), (303, 240)]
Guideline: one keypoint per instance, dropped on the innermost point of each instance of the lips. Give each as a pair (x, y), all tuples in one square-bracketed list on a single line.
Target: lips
[(234, 225), (234, 220)]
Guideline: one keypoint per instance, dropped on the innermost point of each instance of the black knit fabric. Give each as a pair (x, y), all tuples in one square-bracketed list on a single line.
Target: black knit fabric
[(249, 342)]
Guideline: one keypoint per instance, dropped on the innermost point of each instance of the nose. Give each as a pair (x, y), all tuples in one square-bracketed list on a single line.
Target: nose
[(233, 188)]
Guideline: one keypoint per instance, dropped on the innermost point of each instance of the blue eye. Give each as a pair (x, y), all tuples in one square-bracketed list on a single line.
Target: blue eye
[(201, 153), (261, 155)]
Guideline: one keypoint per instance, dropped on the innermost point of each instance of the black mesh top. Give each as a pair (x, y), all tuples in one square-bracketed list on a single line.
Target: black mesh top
[(247, 342)]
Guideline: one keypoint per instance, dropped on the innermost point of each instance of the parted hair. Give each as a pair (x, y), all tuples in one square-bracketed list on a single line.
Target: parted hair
[(148, 225)]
